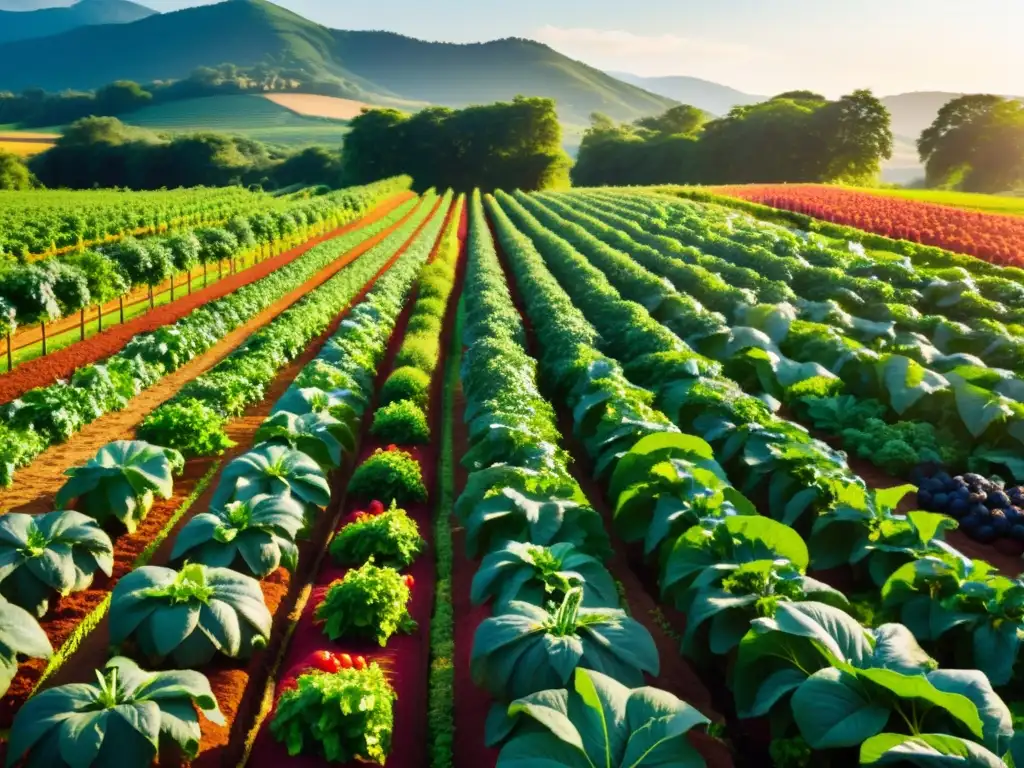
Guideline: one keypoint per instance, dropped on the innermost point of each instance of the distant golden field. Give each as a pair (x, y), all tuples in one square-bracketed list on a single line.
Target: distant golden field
[(26, 144), (312, 105)]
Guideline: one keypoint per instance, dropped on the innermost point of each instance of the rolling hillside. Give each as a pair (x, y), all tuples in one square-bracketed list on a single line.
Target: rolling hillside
[(31, 24), (704, 94), (374, 66)]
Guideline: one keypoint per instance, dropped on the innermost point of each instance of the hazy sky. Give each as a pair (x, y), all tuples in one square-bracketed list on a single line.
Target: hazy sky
[(759, 46)]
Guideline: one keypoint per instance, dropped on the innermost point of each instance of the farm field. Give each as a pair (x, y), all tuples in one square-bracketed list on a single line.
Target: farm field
[(445, 480), (1013, 206), (255, 117), (989, 236)]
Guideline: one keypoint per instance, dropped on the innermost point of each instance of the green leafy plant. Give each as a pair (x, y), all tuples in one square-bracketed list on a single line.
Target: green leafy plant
[(344, 716), (121, 481), (527, 649), (390, 538), (406, 383), (124, 719), (273, 470), (55, 552), (981, 611), (391, 475), (635, 728), (535, 574), (20, 635), (256, 536), (188, 426), (370, 602), (320, 436), (189, 615), (402, 422)]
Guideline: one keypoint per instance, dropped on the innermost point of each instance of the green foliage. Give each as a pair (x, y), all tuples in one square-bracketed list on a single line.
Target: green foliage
[(122, 481), (18, 447), (406, 383), (20, 635), (320, 436), (418, 350), (189, 616), (391, 538), (514, 145), (188, 426), (402, 422), (255, 536), (54, 552), (14, 173), (344, 716), (273, 470), (126, 718), (557, 726), (391, 475), (369, 602)]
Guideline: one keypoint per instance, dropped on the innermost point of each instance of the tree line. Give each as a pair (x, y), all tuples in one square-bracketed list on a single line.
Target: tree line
[(798, 136)]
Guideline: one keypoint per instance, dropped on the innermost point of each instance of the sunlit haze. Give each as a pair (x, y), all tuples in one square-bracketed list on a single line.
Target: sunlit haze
[(758, 46)]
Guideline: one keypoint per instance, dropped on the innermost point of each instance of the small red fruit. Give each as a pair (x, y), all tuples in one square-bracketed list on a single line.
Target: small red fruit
[(410, 582), (392, 447), (359, 516), (376, 508), (326, 661), (344, 660), (359, 662)]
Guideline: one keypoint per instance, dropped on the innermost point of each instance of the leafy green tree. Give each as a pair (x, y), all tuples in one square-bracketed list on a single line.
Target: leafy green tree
[(102, 276), (30, 289), (976, 142), (856, 130), (184, 248), (14, 174), (120, 97), (683, 119)]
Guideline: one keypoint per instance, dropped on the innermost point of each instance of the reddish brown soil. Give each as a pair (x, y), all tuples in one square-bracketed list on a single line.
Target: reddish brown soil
[(64, 362), (406, 658), (36, 485)]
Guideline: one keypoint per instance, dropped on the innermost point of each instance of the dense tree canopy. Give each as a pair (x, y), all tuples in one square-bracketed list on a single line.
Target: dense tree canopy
[(14, 174), (976, 143), (514, 145), (795, 136)]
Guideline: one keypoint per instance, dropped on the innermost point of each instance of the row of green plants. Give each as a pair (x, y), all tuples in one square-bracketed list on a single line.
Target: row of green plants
[(334, 704), (193, 420), (49, 415), (402, 415), (870, 688), (212, 605), (39, 222), (45, 291), (883, 365), (559, 650)]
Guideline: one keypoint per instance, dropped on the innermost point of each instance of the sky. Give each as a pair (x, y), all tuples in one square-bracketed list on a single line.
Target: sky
[(758, 46)]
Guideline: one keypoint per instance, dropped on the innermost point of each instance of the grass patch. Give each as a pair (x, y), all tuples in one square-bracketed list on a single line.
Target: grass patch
[(91, 621), (1006, 206), (441, 694)]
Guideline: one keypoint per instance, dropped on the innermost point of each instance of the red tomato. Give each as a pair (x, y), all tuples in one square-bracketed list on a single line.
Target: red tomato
[(376, 508), (326, 661), (359, 662), (392, 447), (344, 660), (410, 582)]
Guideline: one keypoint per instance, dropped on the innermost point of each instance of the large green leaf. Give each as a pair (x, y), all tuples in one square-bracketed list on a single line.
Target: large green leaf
[(833, 711), (273, 470), (926, 750)]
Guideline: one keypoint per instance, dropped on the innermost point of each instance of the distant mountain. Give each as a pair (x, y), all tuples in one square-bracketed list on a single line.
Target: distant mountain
[(250, 32), (704, 94), (29, 24), (33, 5)]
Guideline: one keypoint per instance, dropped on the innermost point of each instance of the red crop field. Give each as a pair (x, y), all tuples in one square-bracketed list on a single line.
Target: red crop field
[(994, 238)]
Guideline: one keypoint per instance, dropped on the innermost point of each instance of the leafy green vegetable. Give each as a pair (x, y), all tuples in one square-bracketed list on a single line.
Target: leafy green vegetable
[(391, 475), (370, 602), (601, 722), (535, 574), (121, 481), (322, 437), (55, 552), (527, 649), (255, 536), (20, 634), (188, 426), (402, 422), (191, 615), (390, 538), (124, 719), (345, 716), (273, 470)]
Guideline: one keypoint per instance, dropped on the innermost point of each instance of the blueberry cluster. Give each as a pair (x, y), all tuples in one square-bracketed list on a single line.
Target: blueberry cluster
[(986, 509)]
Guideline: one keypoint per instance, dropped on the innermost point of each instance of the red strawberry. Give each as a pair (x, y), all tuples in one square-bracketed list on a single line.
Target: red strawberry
[(376, 508), (359, 662), (345, 660), (410, 582)]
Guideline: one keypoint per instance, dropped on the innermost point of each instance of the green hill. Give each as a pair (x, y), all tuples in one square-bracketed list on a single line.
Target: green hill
[(26, 25), (371, 64), (250, 116)]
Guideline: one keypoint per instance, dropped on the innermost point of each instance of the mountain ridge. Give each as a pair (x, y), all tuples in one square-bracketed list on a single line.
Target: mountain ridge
[(33, 24)]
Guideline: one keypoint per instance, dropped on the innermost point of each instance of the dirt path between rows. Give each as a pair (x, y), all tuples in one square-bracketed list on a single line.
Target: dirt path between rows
[(63, 363), (36, 485)]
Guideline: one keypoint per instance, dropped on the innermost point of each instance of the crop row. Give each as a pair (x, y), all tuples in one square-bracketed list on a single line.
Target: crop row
[(50, 415), (994, 238), (742, 578), (45, 291), (265, 502)]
